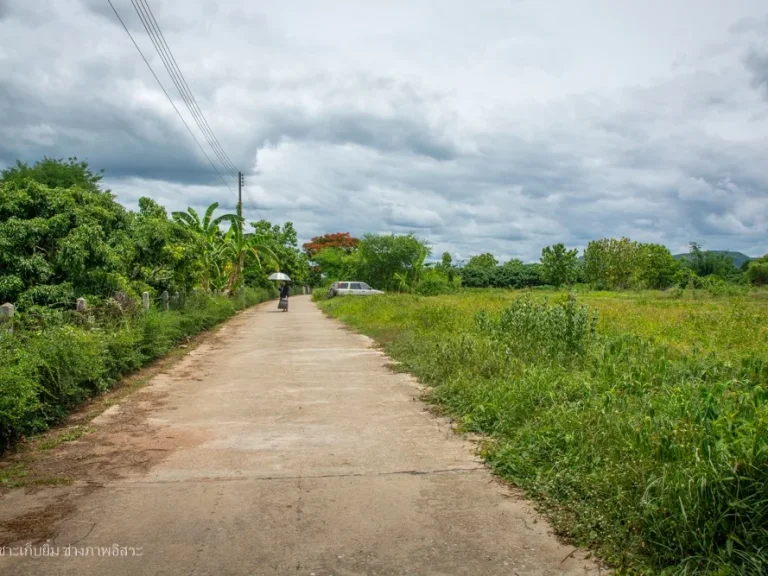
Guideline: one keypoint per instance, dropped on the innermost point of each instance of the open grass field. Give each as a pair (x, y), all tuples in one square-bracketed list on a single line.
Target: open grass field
[(639, 421)]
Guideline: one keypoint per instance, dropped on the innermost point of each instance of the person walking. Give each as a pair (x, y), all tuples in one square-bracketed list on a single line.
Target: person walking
[(284, 290)]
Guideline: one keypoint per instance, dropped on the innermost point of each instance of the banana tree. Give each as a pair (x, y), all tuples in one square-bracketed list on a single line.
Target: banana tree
[(418, 268), (240, 249), (206, 233)]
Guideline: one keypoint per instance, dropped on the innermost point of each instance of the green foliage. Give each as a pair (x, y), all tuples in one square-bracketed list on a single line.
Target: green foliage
[(53, 235), (559, 266), (54, 173), (513, 274), (486, 260), (282, 243), (619, 264), (436, 281), (391, 262), (645, 439), (63, 237), (387, 262), (757, 271), (709, 263), (337, 263), (45, 373)]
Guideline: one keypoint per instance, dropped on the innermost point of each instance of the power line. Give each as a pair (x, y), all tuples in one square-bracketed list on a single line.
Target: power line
[(168, 96), (150, 24), (229, 162)]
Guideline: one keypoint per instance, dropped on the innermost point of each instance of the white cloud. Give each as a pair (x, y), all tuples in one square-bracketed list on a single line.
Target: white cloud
[(499, 126)]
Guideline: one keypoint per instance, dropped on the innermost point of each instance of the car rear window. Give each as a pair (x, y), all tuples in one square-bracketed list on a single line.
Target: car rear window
[(355, 286), (343, 285)]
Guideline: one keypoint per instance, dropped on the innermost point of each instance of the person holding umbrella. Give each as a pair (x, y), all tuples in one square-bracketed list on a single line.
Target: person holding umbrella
[(284, 289)]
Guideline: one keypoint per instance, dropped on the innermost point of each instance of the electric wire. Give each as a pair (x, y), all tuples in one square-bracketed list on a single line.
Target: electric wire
[(168, 96), (153, 30)]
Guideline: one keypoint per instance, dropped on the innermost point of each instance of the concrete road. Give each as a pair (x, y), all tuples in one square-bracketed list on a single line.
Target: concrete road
[(282, 445)]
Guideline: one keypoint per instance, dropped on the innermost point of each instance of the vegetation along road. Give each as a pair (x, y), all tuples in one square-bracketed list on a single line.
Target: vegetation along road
[(282, 445)]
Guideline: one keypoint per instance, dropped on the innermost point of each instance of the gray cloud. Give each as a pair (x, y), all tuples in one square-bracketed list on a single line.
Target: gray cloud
[(757, 62), (477, 135)]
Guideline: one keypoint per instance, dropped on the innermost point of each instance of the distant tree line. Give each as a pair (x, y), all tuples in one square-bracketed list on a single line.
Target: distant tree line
[(399, 263)]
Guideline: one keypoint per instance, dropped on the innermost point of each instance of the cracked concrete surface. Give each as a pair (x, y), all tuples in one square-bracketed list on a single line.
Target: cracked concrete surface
[(288, 447)]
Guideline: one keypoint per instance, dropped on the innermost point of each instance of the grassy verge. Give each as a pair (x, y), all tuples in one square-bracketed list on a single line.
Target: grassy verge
[(47, 372), (640, 435)]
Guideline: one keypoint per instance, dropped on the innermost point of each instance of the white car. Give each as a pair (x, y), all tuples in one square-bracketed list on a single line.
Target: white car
[(352, 289)]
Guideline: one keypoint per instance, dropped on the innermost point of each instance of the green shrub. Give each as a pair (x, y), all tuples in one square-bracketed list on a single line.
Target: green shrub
[(655, 455), (46, 372)]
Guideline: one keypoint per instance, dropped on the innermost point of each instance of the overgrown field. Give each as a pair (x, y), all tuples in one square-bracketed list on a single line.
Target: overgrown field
[(639, 421), (49, 365)]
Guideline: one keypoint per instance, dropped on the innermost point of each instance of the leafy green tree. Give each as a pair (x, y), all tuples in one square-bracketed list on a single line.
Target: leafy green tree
[(706, 263), (655, 266), (239, 251), (158, 251), (611, 263), (559, 265), (58, 242), (486, 260), (54, 174), (207, 235), (381, 257), (446, 260), (283, 242), (337, 264), (757, 271)]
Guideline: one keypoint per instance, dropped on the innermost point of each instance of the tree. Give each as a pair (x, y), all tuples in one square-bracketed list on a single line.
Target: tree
[(207, 234), (757, 271), (337, 264), (239, 251), (55, 174), (655, 266), (708, 263), (486, 260), (381, 257), (341, 240), (62, 241), (283, 243), (609, 263), (559, 265), (447, 261), (160, 252)]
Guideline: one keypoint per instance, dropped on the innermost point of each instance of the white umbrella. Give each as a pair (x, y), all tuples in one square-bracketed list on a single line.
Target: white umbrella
[(279, 276)]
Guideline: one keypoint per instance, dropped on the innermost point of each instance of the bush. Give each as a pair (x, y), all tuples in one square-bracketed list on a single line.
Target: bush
[(657, 456), (436, 282), (45, 373)]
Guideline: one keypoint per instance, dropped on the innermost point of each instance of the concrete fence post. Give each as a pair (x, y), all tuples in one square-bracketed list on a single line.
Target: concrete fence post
[(145, 301), (6, 315), (176, 298), (166, 297), (81, 305)]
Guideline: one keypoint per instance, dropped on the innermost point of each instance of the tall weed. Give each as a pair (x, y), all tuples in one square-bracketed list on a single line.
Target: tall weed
[(653, 451)]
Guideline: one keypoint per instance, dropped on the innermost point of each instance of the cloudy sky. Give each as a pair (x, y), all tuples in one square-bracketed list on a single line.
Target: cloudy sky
[(494, 125)]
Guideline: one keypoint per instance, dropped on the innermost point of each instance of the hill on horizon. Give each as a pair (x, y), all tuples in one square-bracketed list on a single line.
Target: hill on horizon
[(738, 257)]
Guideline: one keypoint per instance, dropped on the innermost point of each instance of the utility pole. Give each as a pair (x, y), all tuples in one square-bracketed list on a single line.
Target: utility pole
[(240, 199)]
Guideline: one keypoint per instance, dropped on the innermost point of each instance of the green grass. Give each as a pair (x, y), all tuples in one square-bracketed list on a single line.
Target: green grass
[(69, 435), (45, 372), (642, 433)]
